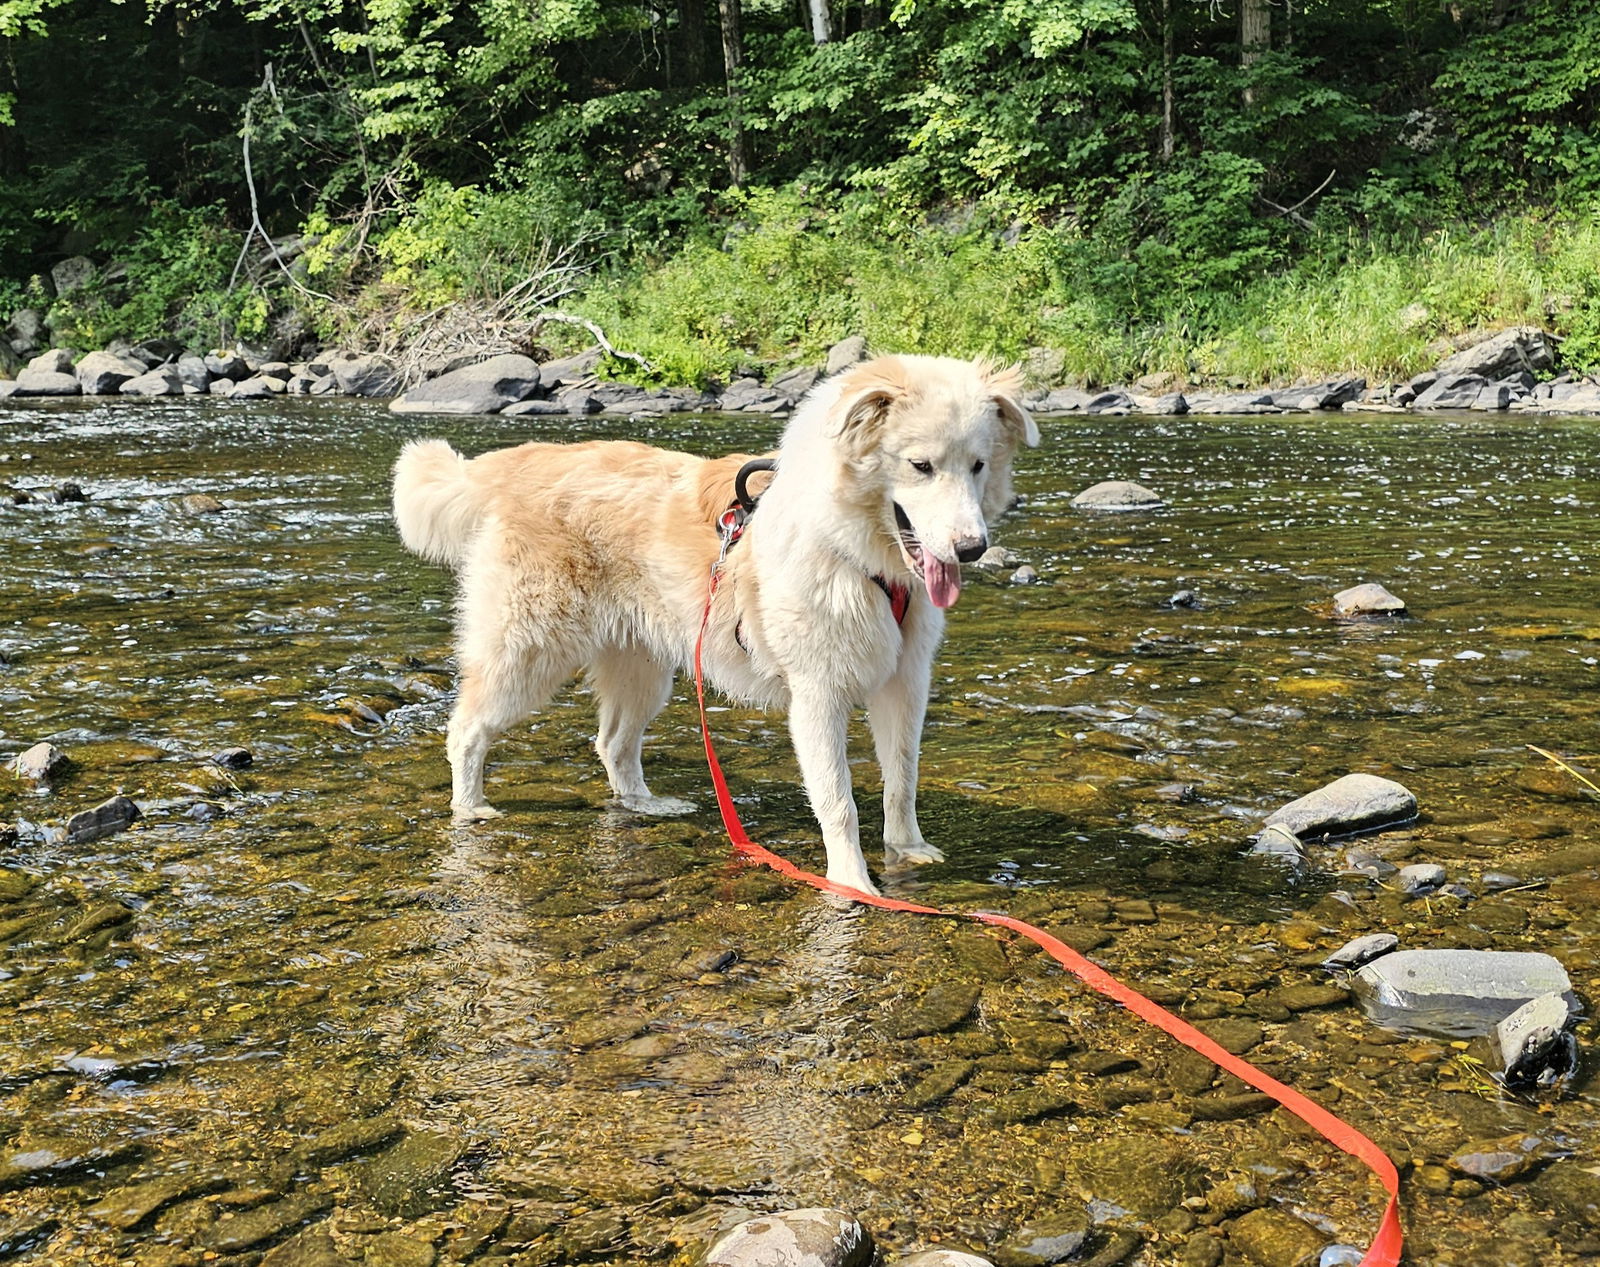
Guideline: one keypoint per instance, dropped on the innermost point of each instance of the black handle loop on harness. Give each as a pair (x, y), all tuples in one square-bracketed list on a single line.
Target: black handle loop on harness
[(741, 492)]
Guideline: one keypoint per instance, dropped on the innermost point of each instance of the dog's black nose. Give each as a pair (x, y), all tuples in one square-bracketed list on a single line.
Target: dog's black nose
[(970, 549)]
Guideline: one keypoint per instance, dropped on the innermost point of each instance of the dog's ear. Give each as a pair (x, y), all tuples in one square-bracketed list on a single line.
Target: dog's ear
[(1005, 386), (866, 394)]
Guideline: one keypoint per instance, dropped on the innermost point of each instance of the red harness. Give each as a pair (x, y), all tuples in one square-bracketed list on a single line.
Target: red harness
[(730, 527)]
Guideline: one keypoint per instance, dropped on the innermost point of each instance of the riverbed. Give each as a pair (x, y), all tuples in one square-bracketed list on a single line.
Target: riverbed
[(294, 1014)]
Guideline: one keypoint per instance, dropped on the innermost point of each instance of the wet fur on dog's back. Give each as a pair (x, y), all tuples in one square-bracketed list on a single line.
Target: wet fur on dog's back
[(597, 557)]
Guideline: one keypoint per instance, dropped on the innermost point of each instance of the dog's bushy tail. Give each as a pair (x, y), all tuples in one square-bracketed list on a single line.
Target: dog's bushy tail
[(434, 506)]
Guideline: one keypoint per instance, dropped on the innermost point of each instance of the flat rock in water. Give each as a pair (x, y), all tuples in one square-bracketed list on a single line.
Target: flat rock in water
[(1370, 599), (1275, 1238), (794, 1238), (105, 819), (1355, 803), (945, 1006), (51, 1161), (1117, 495), (1420, 878), (200, 504), (942, 1258), (265, 1223), (1458, 993), (1501, 1160), (128, 1207), (1051, 1238), (1362, 950), (38, 764), (484, 388), (415, 1176)]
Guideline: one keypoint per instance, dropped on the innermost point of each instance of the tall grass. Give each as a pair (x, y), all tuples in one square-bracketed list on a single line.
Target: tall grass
[(790, 280)]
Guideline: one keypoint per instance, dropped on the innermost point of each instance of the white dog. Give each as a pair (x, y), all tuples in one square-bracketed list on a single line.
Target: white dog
[(598, 556)]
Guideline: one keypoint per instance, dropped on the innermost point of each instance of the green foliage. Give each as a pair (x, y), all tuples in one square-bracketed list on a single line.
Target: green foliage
[(796, 274), (173, 282), (1525, 101)]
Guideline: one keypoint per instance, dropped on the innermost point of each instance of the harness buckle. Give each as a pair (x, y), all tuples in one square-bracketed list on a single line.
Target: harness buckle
[(730, 527)]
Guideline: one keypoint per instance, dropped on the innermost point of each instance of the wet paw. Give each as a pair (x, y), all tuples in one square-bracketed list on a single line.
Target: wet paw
[(917, 852), (855, 880), (657, 806), (460, 814)]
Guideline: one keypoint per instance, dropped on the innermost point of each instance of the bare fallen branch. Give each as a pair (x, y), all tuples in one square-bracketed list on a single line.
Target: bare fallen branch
[(597, 332)]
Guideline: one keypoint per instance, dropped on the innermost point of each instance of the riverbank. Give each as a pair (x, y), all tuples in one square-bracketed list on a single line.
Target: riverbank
[(1515, 369)]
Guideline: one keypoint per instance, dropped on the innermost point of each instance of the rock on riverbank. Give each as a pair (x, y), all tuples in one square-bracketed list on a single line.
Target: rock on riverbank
[(1514, 369)]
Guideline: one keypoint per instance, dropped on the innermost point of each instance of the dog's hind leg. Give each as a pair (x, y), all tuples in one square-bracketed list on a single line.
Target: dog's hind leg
[(631, 688), (496, 693)]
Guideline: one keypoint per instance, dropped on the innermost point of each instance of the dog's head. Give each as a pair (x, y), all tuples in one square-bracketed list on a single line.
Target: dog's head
[(935, 437)]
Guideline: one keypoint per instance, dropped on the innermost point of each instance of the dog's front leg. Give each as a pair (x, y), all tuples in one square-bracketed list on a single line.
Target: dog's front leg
[(819, 720), (895, 713)]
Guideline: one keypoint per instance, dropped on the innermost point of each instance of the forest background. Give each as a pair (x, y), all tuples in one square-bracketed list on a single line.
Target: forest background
[(1240, 191)]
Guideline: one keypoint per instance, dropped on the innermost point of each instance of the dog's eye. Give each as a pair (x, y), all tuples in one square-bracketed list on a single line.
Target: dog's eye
[(977, 466), (922, 468)]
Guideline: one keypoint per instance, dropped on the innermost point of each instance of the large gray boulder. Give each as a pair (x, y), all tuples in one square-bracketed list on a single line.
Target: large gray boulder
[(1332, 394), (228, 365), (193, 372), (25, 330), (1355, 803), (794, 1238), (365, 375), (570, 371), (73, 273), (1115, 401), (751, 395), (47, 382), (1451, 391), (1519, 348), (55, 361), (484, 388), (845, 353), (1061, 400), (161, 382), (1461, 993), (104, 373)]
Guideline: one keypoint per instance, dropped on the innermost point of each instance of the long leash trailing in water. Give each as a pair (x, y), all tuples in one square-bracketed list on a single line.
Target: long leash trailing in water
[(1389, 1240)]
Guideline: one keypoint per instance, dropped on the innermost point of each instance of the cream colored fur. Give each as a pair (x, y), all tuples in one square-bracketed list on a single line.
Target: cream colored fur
[(597, 557)]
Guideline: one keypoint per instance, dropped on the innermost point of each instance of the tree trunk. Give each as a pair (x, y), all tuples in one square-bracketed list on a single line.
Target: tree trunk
[(1255, 35), (1168, 143), (732, 55), (821, 21), (692, 31)]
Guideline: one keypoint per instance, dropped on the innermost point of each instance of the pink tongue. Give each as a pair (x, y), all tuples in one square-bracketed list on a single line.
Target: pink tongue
[(942, 579)]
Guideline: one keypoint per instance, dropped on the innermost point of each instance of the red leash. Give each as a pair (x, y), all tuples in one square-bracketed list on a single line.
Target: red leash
[(1386, 1245)]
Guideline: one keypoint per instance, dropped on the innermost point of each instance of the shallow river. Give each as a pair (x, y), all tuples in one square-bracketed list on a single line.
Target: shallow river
[(292, 1014)]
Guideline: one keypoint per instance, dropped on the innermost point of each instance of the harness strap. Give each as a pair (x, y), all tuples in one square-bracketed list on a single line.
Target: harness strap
[(1387, 1243)]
